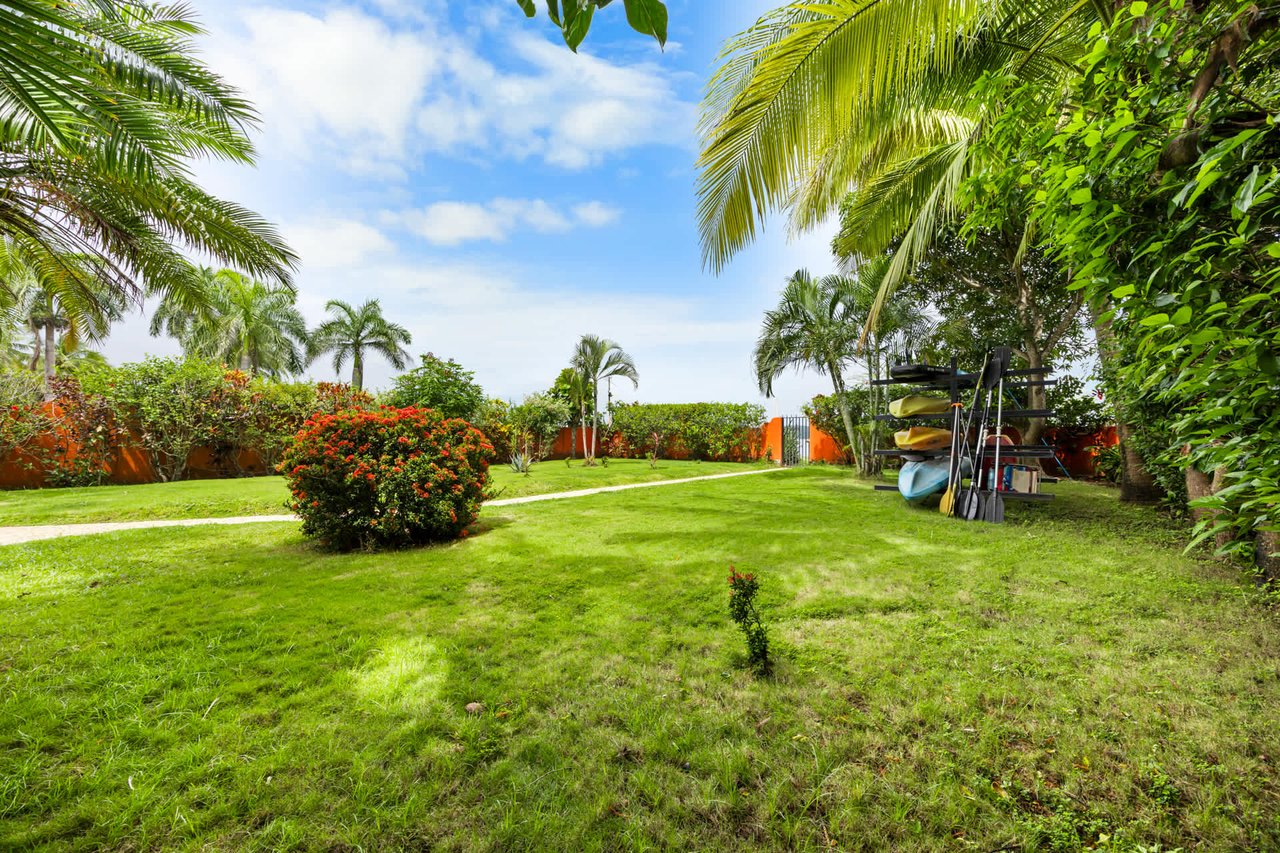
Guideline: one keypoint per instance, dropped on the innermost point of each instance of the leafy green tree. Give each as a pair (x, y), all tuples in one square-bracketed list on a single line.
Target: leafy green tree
[(105, 109), (169, 404), (990, 290), (574, 17), (1153, 178), (352, 331), (442, 385), (249, 324), (536, 423), (595, 360)]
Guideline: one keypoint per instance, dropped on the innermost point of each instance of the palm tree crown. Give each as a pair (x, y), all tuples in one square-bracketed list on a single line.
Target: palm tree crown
[(352, 331), (825, 96), (247, 323)]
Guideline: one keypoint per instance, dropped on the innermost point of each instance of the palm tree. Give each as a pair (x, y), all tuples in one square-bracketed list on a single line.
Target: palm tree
[(826, 96), (59, 319), (105, 108), (596, 359), (816, 325), (247, 323), (354, 330)]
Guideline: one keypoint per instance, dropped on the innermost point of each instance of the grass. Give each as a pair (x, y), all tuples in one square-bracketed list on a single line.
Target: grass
[(267, 495), (1066, 681)]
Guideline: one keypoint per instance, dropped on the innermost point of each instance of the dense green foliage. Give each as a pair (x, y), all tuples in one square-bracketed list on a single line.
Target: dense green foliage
[(1155, 181), (1075, 410), (444, 386), (696, 430), (169, 407), (168, 404), (988, 689), (387, 478), (536, 423)]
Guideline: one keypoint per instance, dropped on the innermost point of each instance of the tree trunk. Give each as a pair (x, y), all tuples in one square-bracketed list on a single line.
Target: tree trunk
[(1136, 483), (1036, 397), (586, 452), (595, 421), (842, 403), (357, 370), (246, 364), (573, 442), (37, 349), (50, 356), (1266, 554)]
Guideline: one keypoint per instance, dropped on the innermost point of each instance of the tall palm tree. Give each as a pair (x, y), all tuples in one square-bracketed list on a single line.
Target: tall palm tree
[(250, 324), (354, 330), (596, 359), (105, 108), (816, 326), (826, 96)]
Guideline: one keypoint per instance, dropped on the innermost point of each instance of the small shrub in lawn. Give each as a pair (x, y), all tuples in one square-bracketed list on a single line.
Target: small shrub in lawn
[(387, 477), (742, 608)]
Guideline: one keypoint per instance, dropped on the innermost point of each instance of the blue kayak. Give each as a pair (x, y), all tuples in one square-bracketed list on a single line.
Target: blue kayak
[(918, 480)]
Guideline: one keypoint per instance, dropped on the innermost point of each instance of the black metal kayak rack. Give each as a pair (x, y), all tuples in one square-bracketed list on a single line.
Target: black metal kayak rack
[(953, 381)]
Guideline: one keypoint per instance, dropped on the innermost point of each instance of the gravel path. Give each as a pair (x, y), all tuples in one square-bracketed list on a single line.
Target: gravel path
[(18, 535)]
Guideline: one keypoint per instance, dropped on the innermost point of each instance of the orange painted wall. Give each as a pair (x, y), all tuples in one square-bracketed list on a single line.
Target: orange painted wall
[(130, 467)]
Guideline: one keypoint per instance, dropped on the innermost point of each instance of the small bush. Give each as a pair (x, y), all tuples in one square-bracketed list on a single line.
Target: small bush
[(742, 608), (387, 478)]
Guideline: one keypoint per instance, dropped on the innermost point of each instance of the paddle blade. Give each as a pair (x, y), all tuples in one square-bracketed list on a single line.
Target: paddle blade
[(997, 508), (948, 504)]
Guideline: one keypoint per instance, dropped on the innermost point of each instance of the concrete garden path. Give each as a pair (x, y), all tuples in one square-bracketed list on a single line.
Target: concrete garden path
[(19, 535)]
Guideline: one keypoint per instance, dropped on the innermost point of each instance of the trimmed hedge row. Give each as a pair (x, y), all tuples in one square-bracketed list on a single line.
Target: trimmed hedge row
[(708, 431)]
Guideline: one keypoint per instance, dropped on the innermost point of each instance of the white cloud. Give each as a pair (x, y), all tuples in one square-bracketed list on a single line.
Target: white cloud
[(342, 82), (452, 223), (376, 96), (596, 214), (329, 243)]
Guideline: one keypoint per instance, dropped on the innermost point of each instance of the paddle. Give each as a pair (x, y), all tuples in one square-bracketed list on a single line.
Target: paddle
[(993, 511), (959, 452), (972, 499), (947, 506)]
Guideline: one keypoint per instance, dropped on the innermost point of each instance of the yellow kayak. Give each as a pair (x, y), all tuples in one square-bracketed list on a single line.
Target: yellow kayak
[(908, 406), (922, 438)]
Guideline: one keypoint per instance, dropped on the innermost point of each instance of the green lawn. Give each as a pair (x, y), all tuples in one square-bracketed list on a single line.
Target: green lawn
[(1066, 681), (267, 495)]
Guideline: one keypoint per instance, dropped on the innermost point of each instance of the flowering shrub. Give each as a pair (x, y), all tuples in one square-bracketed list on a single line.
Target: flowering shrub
[(84, 436), (742, 608), (387, 477)]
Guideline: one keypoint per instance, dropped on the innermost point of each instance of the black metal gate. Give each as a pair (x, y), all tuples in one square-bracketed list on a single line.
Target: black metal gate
[(795, 441)]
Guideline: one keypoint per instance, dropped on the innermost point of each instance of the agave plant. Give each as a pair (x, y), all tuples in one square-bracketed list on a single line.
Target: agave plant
[(521, 463)]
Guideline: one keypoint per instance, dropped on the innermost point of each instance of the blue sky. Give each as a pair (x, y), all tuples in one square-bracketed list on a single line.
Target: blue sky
[(499, 194)]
